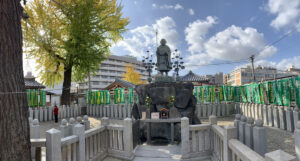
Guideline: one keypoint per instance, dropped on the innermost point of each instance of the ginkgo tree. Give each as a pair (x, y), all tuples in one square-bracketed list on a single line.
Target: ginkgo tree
[(70, 38), (132, 75)]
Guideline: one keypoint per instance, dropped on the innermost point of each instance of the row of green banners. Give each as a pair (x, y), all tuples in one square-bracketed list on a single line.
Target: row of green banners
[(103, 97), (279, 92), (36, 98)]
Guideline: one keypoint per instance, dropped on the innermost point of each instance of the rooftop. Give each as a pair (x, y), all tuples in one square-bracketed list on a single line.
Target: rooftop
[(192, 77)]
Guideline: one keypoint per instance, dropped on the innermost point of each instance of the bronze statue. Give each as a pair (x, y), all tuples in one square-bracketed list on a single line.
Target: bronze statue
[(163, 54)]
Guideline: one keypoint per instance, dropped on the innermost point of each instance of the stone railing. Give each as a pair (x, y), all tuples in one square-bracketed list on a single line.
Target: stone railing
[(221, 144), (196, 141), (116, 111), (281, 117), (93, 144), (204, 110), (46, 113)]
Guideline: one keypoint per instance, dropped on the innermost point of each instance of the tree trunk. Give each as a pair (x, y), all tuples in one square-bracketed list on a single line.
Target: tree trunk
[(14, 125), (66, 97)]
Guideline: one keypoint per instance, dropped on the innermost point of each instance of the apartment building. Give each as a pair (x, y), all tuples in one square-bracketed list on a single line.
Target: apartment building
[(111, 69), (243, 75)]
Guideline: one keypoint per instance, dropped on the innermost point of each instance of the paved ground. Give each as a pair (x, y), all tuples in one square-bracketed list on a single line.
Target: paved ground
[(276, 139)]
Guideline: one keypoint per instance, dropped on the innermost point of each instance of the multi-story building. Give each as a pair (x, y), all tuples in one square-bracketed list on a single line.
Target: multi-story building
[(111, 69), (243, 75), (216, 79)]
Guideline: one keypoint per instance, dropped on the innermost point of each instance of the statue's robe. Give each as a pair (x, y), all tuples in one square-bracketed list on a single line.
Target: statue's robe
[(163, 54)]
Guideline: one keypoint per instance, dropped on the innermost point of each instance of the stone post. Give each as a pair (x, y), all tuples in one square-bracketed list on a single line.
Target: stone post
[(282, 118), (35, 134), (270, 115), (41, 114), (36, 114), (297, 140), (71, 125), (88, 109), (219, 109), (260, 138), (209, 109), (249, 132), (255, 112), (237, 107), (128, 138), (30, 112), (242, 129), (289, 120), (116, 111), (45, 114), (79, 120), (214, 109), (279, 155), (213, 120), (50, 113), (97, 110), (86, 122), (227, 105), (101, 111), (296, 116), (242, 107), (125, 111), (185, 137), (53, 145), (67, 111), (260, 112), (229, 133), (30, 121), (198, 110), (120, 112), (265, 114), (80, 148), (237, 123), (223, 109), (64, 129), (104, 121), (104, 111), (204, 110), (276, 117), (111, 111)]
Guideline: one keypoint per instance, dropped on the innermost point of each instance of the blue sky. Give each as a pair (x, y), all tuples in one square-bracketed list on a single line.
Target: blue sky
[(215, 31)]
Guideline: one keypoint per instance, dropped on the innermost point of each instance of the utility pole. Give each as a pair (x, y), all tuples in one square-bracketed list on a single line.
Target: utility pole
[(252, 62)]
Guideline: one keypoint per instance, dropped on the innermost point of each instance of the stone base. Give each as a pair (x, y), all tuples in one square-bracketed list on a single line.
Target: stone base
[(161, 78)]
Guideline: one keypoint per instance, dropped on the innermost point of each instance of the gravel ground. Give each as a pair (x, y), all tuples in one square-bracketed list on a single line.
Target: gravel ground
[(276, 138)]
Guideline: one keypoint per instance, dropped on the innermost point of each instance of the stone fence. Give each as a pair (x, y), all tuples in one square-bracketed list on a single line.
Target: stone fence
[(204, 110), (114, 111), (281, 117), (46, 113), (210, 141), (92, 144)]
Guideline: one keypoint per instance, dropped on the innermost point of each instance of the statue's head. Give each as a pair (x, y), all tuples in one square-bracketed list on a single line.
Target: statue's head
[(163, 42)]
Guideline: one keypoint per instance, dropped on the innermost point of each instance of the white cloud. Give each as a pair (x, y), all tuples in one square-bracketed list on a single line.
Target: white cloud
[(191, 11), (288, 62), (144, 37), (165, 6), (196, 31), (231, 44), (287, 13), (234, 43)]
